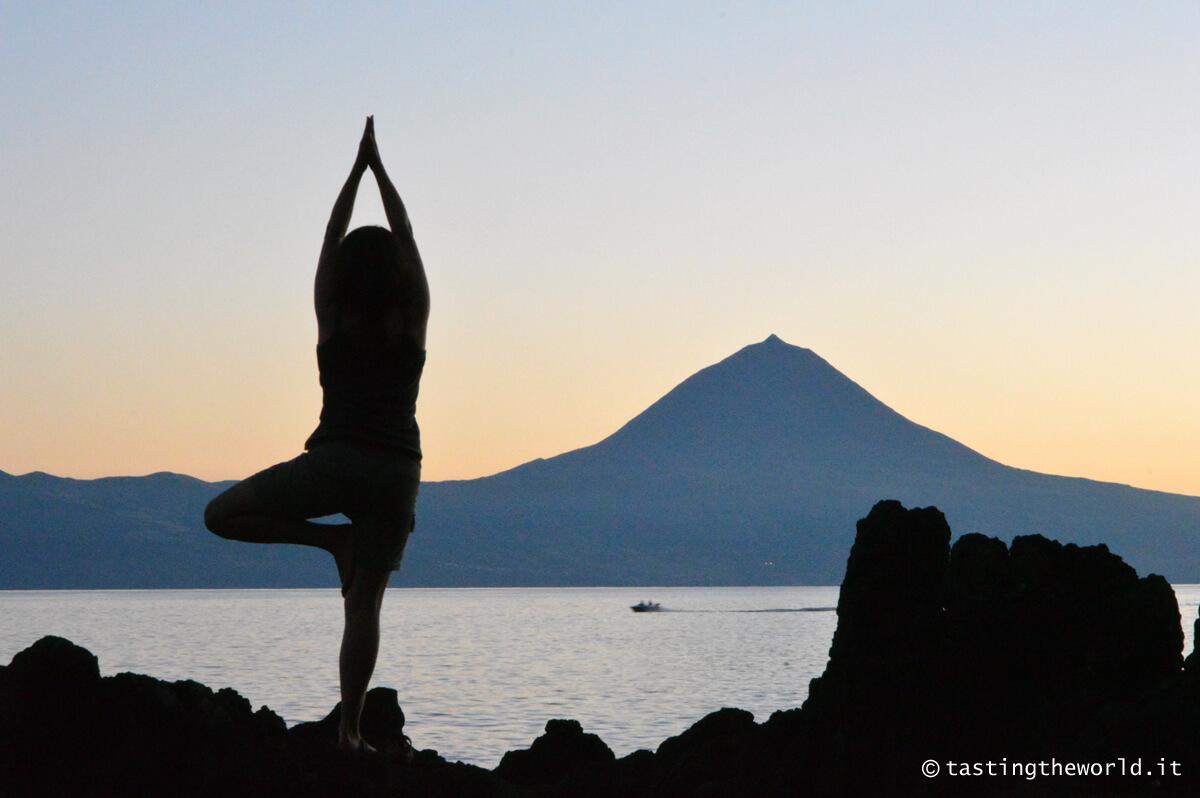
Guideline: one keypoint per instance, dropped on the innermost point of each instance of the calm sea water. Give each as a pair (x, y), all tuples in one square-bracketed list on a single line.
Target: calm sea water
[(479, 671)]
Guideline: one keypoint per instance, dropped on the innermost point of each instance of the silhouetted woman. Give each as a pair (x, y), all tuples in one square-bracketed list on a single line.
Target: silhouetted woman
[(364, 458)]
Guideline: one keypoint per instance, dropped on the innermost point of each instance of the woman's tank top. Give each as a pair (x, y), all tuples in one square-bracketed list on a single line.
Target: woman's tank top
[(369, 392)]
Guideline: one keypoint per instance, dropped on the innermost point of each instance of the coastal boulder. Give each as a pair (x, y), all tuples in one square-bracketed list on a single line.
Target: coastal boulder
[(713, 757), (50, 679), (564, 753), (64, 730), (55, 662), (382, 726)]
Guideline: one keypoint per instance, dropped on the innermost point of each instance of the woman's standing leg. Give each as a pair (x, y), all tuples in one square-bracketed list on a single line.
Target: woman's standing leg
[(360, 649), (381, 534)]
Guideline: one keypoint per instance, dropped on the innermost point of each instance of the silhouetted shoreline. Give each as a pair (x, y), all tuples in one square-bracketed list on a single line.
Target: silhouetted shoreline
[(1034, 654)]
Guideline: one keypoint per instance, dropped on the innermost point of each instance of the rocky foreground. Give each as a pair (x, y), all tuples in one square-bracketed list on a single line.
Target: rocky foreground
[(1035, 656)]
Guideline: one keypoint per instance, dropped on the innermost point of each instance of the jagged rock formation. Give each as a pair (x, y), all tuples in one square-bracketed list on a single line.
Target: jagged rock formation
[(984, 652), (64, 730), (977, 653)]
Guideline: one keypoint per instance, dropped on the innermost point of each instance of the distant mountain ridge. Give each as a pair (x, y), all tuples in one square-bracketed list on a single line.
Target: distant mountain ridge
[(751, 471)]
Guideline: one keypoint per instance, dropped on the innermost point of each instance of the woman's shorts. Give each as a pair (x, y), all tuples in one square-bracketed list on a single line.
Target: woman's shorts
[(375, 488)]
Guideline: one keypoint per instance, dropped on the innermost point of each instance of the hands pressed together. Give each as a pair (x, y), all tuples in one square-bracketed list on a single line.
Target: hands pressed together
[(393, 206), (368, 150)]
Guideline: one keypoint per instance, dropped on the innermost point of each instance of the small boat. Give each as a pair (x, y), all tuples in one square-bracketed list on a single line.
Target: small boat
[(647, 606)]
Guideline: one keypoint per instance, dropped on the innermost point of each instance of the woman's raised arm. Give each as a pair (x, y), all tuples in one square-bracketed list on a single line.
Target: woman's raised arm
[(335, 231), (398, 221)]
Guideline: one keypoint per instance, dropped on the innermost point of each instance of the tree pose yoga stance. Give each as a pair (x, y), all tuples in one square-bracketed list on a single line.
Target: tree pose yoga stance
[(364, 458)]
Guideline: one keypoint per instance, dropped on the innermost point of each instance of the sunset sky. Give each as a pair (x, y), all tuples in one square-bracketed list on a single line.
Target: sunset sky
[(987, 215)]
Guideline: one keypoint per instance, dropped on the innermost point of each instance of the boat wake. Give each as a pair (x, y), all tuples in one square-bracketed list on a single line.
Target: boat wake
[(773, 609)]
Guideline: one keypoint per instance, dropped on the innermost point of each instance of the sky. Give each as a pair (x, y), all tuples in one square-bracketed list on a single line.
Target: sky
[(983, 213)]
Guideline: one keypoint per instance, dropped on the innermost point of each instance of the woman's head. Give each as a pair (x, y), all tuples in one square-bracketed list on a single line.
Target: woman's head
[(370, 269)]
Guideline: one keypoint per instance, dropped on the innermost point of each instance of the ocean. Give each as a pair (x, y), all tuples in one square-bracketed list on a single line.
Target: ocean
[(479, 670)]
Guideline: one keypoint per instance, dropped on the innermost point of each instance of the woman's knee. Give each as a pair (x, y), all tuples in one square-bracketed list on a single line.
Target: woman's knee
[(217, 516), (221, 514)]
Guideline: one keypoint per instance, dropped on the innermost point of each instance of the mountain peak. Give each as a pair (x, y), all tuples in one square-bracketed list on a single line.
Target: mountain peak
[(776, 352), (775, 345), (773, 341), (773, 407)]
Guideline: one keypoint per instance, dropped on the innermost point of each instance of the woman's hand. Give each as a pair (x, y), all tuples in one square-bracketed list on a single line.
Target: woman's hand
[(368, 151)]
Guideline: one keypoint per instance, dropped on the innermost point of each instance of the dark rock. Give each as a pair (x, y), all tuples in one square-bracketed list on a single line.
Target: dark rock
[(46, 680), (714, 729), (55, 663), (985, 652), (1191, 665), (634, 773), (382, 726), (890, 610), (552, 757), (883, 689), (64, 730), (710, 757)]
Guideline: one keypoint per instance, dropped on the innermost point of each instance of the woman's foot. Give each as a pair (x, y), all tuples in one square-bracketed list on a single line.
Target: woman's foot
[(400, 752), (355, 745)]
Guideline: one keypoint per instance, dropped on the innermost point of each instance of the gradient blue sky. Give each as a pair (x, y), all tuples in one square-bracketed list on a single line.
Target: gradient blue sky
[(986, 214)]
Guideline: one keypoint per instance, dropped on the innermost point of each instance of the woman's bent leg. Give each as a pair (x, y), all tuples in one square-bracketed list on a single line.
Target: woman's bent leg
[(273, 506), (256, 525), (360, 649)]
